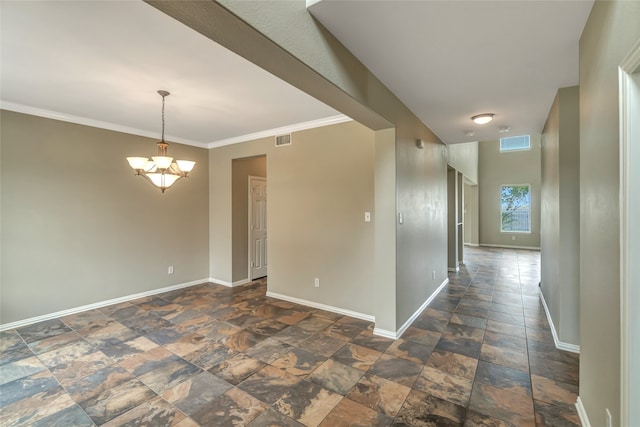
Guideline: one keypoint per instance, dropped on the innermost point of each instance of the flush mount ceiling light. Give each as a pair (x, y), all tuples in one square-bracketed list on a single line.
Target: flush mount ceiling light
[(161, 170), (482, 119)]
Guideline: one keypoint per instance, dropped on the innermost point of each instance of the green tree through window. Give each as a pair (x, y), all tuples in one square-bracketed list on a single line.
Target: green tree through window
[(515, 208)]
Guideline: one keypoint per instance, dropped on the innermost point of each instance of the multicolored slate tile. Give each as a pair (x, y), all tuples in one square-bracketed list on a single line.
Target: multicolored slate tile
[(481, 354), (307, 403)]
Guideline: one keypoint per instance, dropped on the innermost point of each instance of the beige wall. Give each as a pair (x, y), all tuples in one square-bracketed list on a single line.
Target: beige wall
[(464, 158), (385, 229), (512, 168), (560, 209), (452, 219), (79, 228), (421, 192), (283, 38), (241, 169), (319, 189), (609, 35), (471, 232)]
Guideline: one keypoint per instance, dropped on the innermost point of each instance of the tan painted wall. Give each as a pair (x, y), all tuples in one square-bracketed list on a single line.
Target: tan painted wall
[(452, 219), (79, 228), (496, 169), (560, 231), (609, 35), (421, 188), (319, 189), (550, 211), (241, 169), (464, 158), (471, 232), (385, 228), (283, 38)]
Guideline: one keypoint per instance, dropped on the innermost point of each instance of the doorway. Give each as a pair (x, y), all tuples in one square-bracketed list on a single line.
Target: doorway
[(257, 227), (455, 221), (241, 170)]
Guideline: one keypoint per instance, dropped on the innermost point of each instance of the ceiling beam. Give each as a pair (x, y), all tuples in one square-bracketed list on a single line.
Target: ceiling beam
[(347, 86)]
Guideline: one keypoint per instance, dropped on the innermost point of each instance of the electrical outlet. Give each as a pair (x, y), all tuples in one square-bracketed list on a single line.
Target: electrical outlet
[(170, 269), (513, 237), (609, 420), (316, 282)]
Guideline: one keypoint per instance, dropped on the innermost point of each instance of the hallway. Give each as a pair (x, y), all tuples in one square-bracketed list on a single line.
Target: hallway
[(499, 320), (481, 354)]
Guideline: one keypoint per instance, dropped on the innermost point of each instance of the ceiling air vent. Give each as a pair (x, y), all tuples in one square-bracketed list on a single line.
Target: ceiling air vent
[(283, 140)]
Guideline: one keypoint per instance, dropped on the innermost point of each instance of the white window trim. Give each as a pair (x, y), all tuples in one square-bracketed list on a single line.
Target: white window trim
[(500, 208), (514, 150)]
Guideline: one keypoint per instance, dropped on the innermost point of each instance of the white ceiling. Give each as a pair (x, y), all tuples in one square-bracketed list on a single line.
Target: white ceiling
[(101, 63), (449, 60)]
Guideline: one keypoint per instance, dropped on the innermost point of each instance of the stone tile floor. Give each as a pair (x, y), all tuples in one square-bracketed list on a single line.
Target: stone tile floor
[(481, 354)]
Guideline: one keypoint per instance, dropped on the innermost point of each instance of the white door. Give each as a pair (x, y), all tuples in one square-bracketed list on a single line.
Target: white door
[(257, 227)]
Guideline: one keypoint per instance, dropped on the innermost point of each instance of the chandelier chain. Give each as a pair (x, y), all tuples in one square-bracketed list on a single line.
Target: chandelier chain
[(163, 96)]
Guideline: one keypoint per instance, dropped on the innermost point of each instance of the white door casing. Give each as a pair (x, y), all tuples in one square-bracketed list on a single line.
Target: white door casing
[(257, 227), (629, 79)]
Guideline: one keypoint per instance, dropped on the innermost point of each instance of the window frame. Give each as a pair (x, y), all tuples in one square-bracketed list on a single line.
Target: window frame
[(500, 208), (515, 149)]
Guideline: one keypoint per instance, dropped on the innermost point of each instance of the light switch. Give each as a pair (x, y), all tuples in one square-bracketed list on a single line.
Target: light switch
[(400, 218), (367, 217)]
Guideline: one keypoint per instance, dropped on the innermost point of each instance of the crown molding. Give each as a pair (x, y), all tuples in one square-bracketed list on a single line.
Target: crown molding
[(48, 114), (340, 118)]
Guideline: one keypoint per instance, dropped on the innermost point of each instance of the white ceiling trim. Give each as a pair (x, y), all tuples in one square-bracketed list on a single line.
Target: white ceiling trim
[(340, 118), (41, 112)]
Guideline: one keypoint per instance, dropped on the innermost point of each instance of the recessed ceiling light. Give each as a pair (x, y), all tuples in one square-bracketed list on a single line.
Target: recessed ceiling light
[(482, 119), (470, 133), (504, 129)]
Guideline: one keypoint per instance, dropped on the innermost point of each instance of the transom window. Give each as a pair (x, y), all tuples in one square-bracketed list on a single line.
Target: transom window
[(515, 143), (515, 208)]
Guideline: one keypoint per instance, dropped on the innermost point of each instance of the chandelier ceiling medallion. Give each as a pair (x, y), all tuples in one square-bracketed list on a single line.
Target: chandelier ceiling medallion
[(162, 171)]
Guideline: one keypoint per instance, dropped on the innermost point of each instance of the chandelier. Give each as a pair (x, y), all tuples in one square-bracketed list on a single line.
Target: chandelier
[(161, 170)]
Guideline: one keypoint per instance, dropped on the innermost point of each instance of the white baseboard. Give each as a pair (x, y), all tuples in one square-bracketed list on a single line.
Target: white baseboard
[(424, 305), (229, 284), (453, 270), (385, 333), (559, 344), (582, 413), (220, 282), (321, 306), (531, 248), (473, 245), (100, 304)]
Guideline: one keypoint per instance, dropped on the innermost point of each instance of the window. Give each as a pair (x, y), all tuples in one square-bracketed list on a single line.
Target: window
[(515, 143), (515, 208)]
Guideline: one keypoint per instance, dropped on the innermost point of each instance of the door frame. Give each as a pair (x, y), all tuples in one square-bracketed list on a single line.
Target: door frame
[(250, 179), (629, 134)]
